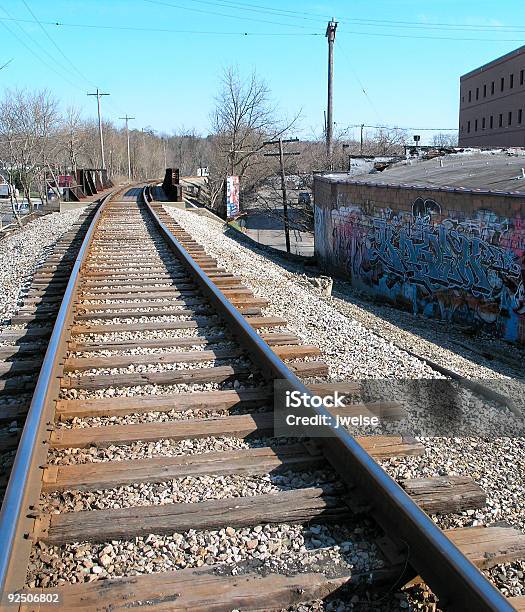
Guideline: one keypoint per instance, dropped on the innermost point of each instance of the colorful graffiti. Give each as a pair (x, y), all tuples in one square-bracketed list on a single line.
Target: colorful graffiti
[(470, 269)]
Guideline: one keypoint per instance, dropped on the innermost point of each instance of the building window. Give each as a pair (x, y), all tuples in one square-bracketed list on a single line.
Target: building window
[(468, 127), (477, 93), (491, 121), (483, 123), (492, 88), (470, 95), (484, 91), (502, 84), (522, 76), (510, 117), (520, 115), (501, 120), (511, 84), (476, 125)]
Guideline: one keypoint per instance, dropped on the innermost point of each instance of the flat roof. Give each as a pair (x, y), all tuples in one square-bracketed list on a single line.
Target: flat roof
[(495, 172), (495, 62)]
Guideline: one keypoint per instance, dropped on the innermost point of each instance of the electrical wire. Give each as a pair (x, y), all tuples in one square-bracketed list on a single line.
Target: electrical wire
[(421, 37), (350, 65), (196, 10), (341, 31), (50, 38), (34, 41), (415, 129), (259, 9), (34, 53), (166, 30), (311, 16)]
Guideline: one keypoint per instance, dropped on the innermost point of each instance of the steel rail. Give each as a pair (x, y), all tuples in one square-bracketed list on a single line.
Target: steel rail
[(454, 578), (24, 486)]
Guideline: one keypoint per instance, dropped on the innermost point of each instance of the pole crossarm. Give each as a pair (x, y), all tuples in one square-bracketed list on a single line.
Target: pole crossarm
[(270, 142)]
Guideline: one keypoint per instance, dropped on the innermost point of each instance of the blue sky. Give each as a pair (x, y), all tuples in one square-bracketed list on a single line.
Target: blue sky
[(406, 54)]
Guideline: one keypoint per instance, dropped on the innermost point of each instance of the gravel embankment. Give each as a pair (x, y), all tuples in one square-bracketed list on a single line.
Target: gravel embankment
[(20, 255), (23, 251), (361, 340)]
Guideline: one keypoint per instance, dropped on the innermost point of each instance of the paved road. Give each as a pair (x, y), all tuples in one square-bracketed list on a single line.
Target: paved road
[(268, 230)]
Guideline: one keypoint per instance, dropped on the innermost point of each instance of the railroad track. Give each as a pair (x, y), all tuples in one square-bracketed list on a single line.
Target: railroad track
[(160, 369), (25, 339)]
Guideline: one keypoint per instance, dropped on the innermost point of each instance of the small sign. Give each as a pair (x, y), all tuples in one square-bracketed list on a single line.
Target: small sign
[(232, 196)]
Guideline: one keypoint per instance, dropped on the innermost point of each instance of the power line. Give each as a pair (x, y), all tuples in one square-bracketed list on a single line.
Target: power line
[(439, 25), (196, 10), (259, 9), (367, 21), (350, 65), (379, 34), (6, 63), (55, 62), (397, 127), (249, 33), (50, 38), (311, 16), (34, 53), (419, 37), (165, 30)]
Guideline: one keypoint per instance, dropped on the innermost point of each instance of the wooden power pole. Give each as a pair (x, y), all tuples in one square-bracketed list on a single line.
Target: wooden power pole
[(126, 119), (98, 94), (330, 35), (281, 154)]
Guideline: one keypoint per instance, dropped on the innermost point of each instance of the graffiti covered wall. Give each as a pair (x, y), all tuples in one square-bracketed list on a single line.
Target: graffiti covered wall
[(448, 255)]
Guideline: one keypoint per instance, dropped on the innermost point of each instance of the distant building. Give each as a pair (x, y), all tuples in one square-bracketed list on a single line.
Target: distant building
[(492, 103)]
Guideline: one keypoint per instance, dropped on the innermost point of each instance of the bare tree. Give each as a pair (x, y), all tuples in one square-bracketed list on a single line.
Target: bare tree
[(28, 122), (243, 119), (445, 139)]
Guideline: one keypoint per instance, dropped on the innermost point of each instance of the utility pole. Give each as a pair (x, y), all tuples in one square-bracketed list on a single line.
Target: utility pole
[(330, 35), (281, 155), (361, 148), (126, 118), (98, 94)]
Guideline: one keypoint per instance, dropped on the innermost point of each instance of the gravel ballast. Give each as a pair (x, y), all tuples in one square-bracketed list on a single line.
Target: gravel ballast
[(22, 252), (359, 340)]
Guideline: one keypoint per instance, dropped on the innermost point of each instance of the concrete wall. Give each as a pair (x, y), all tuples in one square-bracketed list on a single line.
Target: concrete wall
[(449, 255)]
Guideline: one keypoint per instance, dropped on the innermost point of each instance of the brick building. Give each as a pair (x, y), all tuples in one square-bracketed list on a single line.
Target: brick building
[(444, 238), (492, 103)]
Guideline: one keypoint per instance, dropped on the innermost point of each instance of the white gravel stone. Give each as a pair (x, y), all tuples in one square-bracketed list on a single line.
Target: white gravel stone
[(22, 252), (283, 548)]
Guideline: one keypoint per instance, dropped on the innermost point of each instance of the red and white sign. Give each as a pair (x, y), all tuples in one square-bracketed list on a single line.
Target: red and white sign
[(232, 196)]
